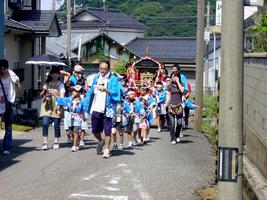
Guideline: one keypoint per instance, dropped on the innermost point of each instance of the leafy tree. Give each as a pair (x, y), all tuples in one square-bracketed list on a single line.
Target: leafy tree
[(162, 17)]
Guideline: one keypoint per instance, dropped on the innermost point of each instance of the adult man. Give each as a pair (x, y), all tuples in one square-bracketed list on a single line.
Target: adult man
[(8, 82), (101, 101)]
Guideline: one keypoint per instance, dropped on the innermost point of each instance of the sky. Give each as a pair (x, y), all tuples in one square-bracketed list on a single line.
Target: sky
[(47, 4)]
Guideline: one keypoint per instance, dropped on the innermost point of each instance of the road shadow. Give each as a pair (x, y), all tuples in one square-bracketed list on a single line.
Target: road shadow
[(17, 150), (124, 152), (185, 141)]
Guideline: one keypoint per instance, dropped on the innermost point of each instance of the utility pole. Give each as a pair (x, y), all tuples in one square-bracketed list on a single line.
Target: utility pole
[(2, 29), (207, 29), (69, 31), (199, 63), (231, 102), (104, 5), (54, 5)]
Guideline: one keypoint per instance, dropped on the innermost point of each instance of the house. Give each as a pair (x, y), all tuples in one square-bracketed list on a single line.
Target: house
[(112, 22), (93, 29), (93, 46), (168, 51), (26, 30)]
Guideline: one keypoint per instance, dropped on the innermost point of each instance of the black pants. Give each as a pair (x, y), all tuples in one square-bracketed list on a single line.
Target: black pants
[(175, 126), (186, 115)]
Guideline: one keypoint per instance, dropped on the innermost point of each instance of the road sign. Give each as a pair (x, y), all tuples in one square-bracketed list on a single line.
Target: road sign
[(206, 36), (254, 3)]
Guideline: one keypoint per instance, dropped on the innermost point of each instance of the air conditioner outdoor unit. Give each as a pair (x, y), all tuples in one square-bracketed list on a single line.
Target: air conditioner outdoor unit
[(15, 3)]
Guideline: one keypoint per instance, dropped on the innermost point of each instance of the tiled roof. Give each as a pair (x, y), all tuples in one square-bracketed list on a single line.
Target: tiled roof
[(112, 18), (75, 37), (39, 20), (17, 25), (165, 49), (78, 25)]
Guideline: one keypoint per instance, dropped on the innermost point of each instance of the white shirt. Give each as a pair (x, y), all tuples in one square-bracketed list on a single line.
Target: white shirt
[(9, 86), (99, 102)]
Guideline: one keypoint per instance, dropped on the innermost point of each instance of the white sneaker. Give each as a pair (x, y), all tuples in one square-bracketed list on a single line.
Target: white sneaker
[(134, 143), (99, 147), (45, 146), (139, 141), (6, 152), (178, 140), (74, 148), (130, 144), (55, 146), (106, 153), (115, 147), (159, 130), (81, 143), (144, 140), (69, 141), (120, 147), (173, 142)]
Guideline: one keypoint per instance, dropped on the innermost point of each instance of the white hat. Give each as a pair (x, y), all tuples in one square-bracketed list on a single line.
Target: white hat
[(78, 68)]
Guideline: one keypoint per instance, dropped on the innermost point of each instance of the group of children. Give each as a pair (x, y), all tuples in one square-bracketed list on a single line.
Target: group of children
[(135, 112)]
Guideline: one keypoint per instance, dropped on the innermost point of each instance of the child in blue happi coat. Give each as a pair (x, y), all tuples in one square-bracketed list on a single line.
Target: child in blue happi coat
[(132, 109), (74, 105), (161, 96)]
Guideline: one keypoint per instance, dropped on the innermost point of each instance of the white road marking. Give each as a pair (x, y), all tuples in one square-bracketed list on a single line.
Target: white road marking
[(75, 195), (89, 177), (122, 165), (111, 188), (114, 180)]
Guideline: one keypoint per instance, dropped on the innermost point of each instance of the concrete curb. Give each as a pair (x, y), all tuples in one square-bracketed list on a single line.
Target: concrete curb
[(255, 179)]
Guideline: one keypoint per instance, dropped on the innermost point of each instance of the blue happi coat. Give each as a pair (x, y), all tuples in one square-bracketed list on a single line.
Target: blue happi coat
[(113, 97)]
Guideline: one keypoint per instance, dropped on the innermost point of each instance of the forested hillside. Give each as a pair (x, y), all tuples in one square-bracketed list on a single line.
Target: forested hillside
[(163, 17)]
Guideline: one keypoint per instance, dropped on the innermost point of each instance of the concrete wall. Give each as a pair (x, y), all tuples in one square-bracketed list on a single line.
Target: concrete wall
[(255, 109)]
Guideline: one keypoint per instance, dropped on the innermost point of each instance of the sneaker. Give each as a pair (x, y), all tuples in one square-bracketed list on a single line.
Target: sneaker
[(159, 130), (55, 146), (69, 141), (106, 153), (148, 139), (44, 146), (178, 140), (130, 144), (6, 152), (115, 147), (139, 141), (173, 142), (99, 147), (145, 140), (181, 134), (81, 143), (134, 143), (74, 148), (120, 147)]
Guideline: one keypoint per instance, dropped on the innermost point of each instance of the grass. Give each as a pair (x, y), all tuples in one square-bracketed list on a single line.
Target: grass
[(210, 115), (18, 127)]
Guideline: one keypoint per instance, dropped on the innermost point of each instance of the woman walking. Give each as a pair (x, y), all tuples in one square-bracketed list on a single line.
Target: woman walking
[(50, 112), (174, 101)]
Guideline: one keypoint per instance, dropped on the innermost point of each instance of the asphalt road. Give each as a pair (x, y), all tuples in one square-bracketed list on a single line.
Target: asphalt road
[(157, 170)]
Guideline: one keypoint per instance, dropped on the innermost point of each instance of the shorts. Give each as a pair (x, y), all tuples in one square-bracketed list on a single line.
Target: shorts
[(101, 123), (131, 126), (76, 129), (118, 126), (143, 124)]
